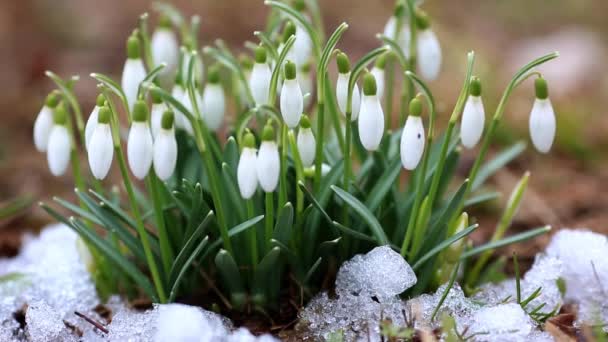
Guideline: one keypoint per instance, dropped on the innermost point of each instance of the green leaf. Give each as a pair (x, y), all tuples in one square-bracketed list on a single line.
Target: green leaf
[(314, 201), (505, 242), (232, 194), (352, 232), (312, 270), (230, 274), (186, 251), (185, 267), (113, 207), (497, 163), (446, 291), (263, 272), (481, 198), (150, 77), (234, 231), (284, 224), (364, 213), (112, 85), (85, 214), (231, 153), (443, 245), (383, 185), (14, 207)]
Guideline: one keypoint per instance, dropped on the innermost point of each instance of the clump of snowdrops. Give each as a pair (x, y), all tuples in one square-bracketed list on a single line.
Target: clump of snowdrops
[(310, 173)]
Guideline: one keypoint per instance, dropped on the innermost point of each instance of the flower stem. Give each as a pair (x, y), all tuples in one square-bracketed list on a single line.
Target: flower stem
[(269, 220), (319, 146), (283, 166), (299, 172), (166, 252), (253, 239)]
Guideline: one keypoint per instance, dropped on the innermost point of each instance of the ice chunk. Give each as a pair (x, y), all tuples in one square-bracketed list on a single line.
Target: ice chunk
[(455, 304), (382, 273), (504, 322), (244, 335), (133, 326), (183, 323), (45, 324)]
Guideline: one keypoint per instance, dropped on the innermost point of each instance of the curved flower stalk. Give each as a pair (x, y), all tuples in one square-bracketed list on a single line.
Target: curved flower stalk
[(44, 122), (101, 147), (259, 81), (268, 164), (165, 49), (89, 128), (429, 50), (60, 143), (371, 117), (412, 138), (292, 101), (139, 143), (473, 116), (342, 87), (246, 171), (156, 113), (542, 118), (133, 72), (306, 142), (213, 103), (378, 73), (165, 148)]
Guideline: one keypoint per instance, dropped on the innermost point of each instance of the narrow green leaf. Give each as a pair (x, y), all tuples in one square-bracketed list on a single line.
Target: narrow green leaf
[(443, 245), (186, 250), (185, 267), (232, 195), (505, 242), (112, 85), (230, 274), (497, 163), (446, 291), (353, 233), (234, 231), (481, 198), (231, 153), (263, 272), (314, 201), (383, 185), (284, 224)]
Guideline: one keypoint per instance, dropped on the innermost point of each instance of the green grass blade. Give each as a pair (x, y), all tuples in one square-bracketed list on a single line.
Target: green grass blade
[(185, 267), (443, 245), (353, 233), (505, 242), (186, 250)]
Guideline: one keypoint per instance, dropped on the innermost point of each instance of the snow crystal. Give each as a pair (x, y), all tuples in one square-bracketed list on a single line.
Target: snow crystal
[(183, 323), (244, 335), (382, 273), (504, 322), (44, 323)]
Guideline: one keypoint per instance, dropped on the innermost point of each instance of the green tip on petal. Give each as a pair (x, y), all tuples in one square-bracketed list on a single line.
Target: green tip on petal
[(140, 111), (260, 55), (268, 133), (133, 50), (475, 87), (399, 10), (60, 114), (343, 63), (178, 78), (164, 22), (415, 107), (166, 121), (541, 88), (422, 20), (249, 140), (100, 101), (304, 121), (306, 67), (369, 85), (290, 70), (381, 61), (245, 62), (104, 114), (53, 99), (213, 76), (299, 5), (288, 31)]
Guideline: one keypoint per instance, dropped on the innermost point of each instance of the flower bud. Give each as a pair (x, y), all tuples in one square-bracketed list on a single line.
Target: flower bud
[(292, 101), (542, 118), (165, 148), (259, 81), (133, 72), (59, 142), (429, 50), (44, 122), (214, 101), (306, 142), (342, 87), (268, 163), (246, 171), (139, 144), (101, 147), (412, 138), (371, 117), (165, 48), (473, 116)]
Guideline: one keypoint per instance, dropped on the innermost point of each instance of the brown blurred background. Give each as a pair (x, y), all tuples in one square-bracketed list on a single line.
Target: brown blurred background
[(569, 187)]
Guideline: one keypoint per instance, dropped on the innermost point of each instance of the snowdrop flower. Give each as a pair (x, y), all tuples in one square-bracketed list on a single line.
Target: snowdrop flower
[(213, 103), (139, 144), (371, 117), (187, 52), (288, 31), (412, 138), (259, 81), (473, 116), (306, 142), (179, 93), (246, 174), (182, 120), (101, 147), (156, 113), (403, 39), (165, 48), (306, 83), (302, 47), (542, 118), (165, 148), (342, 87), (247, 65), (292, 101), (429, 50), (89, 128), (59, 143), (378, 72), (133, 72), (44, 122), (268, 164)]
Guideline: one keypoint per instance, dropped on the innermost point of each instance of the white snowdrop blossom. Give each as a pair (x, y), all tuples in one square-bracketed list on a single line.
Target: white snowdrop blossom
[(246, 173), (134, 71), (302, 47), (59, 143), (378, 74), (156, 115), (44, 123), (199, 67), (306, 84), (259, 81), (428, 49), (403, 40), (292, 101), (139, 143), (412, 138), (306, 142), (371, 117), (213, 103), (165, 148), (182, 120), (101, 147), (542, 118), (473, 116), (165, 48), (268, 163), (342, 88), (92, 120)]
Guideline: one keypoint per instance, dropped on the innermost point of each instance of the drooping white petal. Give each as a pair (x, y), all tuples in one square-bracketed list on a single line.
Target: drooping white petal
[(412, 142), (429, 54), (140, 149), (259, 83), (246, 173), (473, 120), (42, 128), (165, 49), (305, 80), (268, 166), (213, 106), (404, 38), (379, 76), (182, 120), (133, 74), (165, 153), (156, 116), (58, 150), (292, 102), (542, 125), (371, 122), (302, 47), (89, 128), (342, 96), (306, 145), (101, 151)]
